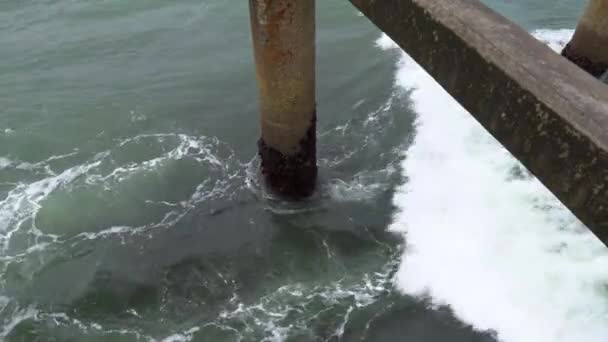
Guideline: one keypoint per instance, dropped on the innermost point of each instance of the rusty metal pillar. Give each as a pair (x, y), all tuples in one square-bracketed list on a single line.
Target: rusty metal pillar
[(589, 47), (284, 46)]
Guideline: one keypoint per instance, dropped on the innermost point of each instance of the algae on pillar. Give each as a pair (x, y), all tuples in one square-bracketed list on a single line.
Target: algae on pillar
[(589, 47), (284, 46)]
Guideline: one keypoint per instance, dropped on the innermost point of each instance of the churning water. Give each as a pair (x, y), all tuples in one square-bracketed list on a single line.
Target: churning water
[(130, 208)]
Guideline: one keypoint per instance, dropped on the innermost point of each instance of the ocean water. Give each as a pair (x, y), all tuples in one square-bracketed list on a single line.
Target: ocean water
[(130, 207)]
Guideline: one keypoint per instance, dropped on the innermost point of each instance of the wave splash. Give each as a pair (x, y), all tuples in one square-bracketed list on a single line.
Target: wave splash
[(486, 238)]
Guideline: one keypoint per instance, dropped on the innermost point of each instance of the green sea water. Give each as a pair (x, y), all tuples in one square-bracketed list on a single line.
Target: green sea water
[(130, 207)]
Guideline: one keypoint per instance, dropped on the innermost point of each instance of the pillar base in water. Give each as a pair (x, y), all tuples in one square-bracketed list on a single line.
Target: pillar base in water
[(293, 176), (595, 69)]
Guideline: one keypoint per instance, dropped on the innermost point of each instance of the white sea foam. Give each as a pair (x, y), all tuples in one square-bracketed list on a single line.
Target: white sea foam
[(5, 162), (500, 250), (23, 202), (363, 186), (555, 39), (182, 337), (18, 316), (272, 314)]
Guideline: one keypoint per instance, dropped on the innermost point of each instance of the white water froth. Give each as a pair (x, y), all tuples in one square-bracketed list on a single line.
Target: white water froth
[(18, 316), (5, 162), (500, 250), (183, 337), (364, 186), (271, 314), (24, 201)]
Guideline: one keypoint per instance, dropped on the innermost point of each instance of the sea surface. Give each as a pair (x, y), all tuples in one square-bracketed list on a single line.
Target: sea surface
[(131, 209)]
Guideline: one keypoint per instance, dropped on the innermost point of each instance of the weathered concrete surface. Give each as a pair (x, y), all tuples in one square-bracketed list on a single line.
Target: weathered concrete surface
[(589, 47), (547, 112), (283, 34)]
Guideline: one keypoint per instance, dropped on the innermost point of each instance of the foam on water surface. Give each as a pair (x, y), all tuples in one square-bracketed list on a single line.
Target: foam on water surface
[(276, 316), (5, 162), (105, 172), (485, 238), (321, 271), (183, 337)]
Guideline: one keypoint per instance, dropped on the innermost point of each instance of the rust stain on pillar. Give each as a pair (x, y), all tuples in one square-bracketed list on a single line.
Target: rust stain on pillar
[(589, 47), (284, 46)]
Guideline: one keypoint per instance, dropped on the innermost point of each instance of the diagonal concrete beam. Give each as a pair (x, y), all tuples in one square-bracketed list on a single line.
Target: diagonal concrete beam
[(548, 113)]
